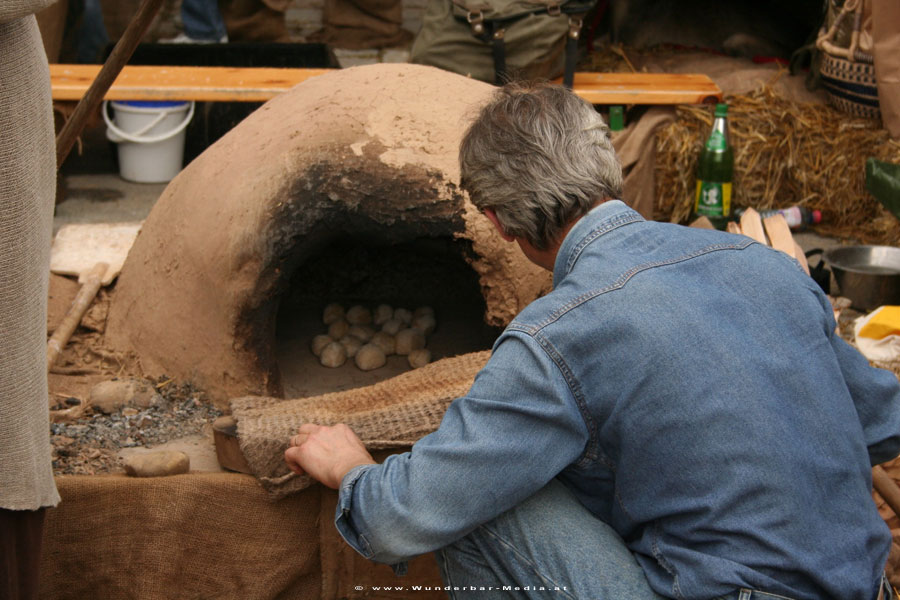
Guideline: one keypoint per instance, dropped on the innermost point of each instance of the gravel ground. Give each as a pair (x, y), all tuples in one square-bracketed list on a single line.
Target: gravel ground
[(89, 445)]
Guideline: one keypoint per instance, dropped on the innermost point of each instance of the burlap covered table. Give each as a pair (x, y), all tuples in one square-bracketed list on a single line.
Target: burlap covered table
[(199, 535)]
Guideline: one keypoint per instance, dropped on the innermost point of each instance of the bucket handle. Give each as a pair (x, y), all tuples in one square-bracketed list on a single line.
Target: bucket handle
[(136, 136)]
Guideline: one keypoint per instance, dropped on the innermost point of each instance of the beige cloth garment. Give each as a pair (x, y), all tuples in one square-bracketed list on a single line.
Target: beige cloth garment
[(636, 148), (27, 188)]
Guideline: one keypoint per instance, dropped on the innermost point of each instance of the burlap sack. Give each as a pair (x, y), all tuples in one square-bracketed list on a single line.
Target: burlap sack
[(200, 535), (636, 149), (392, 414)]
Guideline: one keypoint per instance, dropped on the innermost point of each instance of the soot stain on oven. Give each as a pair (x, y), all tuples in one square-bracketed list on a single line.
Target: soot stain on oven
[(355, 231)]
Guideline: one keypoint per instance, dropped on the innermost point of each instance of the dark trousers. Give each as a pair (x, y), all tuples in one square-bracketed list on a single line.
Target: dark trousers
[(21, 535)]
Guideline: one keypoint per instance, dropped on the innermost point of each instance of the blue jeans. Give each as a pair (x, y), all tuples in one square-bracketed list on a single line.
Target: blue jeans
[(549, 541), (202, 20), (550, 546), (91, 35)]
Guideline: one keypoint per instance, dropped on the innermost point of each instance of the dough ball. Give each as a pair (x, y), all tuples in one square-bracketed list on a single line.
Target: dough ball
[(359, 315), (363, 332), (333, 355), (423, 310), (385, 341), (409, 340), (351, 344), (392, 326), (333, 312), (319, 342), (424, 323), (403, 315), (338, 329), (383, 313), (370, 357), (419, 358)]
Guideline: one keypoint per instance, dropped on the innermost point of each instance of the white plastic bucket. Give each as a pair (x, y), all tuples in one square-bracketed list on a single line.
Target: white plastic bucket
[(150, 137)]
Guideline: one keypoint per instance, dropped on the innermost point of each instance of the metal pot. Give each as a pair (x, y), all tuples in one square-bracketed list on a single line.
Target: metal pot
[(868, 275)]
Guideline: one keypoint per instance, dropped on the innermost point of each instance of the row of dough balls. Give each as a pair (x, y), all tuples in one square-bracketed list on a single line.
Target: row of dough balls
[(369, 337)]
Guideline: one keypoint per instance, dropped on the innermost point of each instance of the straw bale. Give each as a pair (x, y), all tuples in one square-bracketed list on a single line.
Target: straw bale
[(786, 153)]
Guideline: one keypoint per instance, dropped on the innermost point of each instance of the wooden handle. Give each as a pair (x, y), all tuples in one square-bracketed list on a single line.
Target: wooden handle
[(82, 302)]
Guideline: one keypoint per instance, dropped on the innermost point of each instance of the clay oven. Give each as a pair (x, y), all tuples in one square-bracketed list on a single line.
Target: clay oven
[(320, 191)]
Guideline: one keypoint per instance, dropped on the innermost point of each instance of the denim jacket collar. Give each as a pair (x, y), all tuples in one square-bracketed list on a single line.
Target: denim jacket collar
[(601, 219)]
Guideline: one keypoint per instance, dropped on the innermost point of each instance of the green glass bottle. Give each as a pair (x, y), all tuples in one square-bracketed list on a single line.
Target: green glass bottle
[(714, 173)]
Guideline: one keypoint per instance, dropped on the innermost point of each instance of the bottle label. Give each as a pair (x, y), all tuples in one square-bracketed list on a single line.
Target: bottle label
[(716, 141), (713, 198)]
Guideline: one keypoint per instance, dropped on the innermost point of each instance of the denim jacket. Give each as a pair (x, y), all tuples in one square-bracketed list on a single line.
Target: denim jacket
[(689, 387)]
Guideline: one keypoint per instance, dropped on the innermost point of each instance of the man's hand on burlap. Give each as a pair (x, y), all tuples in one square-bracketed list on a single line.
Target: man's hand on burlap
[(326, 453)]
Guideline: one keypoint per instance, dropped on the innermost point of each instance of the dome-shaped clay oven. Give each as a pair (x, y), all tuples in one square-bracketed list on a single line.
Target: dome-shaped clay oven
[(366, 152)]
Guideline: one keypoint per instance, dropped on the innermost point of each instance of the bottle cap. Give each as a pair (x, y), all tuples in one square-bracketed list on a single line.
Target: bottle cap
[(616, 118), (721, 110)]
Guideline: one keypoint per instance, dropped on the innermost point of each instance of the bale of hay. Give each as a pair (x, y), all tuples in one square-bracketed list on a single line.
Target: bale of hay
[(786, 153)]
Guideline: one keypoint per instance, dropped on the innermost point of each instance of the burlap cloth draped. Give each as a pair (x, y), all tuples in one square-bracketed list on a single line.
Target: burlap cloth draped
[(392, 414), (193, 536)]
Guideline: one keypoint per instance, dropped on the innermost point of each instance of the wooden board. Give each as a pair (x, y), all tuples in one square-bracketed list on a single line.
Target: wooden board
[(646, 88), (751, 226), (79, 246), (258, 84), (702, 222), (779, 233), (212, 84)]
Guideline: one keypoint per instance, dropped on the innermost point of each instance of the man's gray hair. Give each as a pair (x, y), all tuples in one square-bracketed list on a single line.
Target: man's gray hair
[(538, 156)]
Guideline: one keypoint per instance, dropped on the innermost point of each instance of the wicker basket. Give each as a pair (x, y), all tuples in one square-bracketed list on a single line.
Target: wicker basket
[(850, 86), (847, 71)]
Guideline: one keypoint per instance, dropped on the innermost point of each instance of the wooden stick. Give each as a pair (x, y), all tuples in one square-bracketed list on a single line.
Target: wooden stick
[(886, 488), (120, 55), (82, 302)]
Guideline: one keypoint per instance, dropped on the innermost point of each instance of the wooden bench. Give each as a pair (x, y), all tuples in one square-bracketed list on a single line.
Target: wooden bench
[(257, 84)]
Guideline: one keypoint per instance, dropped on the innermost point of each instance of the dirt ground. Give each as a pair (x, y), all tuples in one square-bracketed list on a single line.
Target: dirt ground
[(86, 441)]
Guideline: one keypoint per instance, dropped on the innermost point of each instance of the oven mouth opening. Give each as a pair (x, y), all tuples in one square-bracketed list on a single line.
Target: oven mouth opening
[(431, 272)]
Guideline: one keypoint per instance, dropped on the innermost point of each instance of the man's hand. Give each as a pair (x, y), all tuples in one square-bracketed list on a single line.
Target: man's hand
[(326, 453)]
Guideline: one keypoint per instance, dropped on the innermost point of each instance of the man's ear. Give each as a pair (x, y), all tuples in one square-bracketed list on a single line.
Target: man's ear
[(490, 214)]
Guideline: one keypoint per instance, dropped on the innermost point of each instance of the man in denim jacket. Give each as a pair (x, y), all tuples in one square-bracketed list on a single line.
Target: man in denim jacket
[(676, 419)]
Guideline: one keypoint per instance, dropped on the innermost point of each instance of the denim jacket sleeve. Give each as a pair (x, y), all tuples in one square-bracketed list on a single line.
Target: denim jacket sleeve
[(515, 430), (876, 395)]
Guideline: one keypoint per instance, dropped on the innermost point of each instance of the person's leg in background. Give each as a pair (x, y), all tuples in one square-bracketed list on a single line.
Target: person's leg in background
[(21, 537), (203, 21), (92, 38), (256, 20), (549, 541)]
